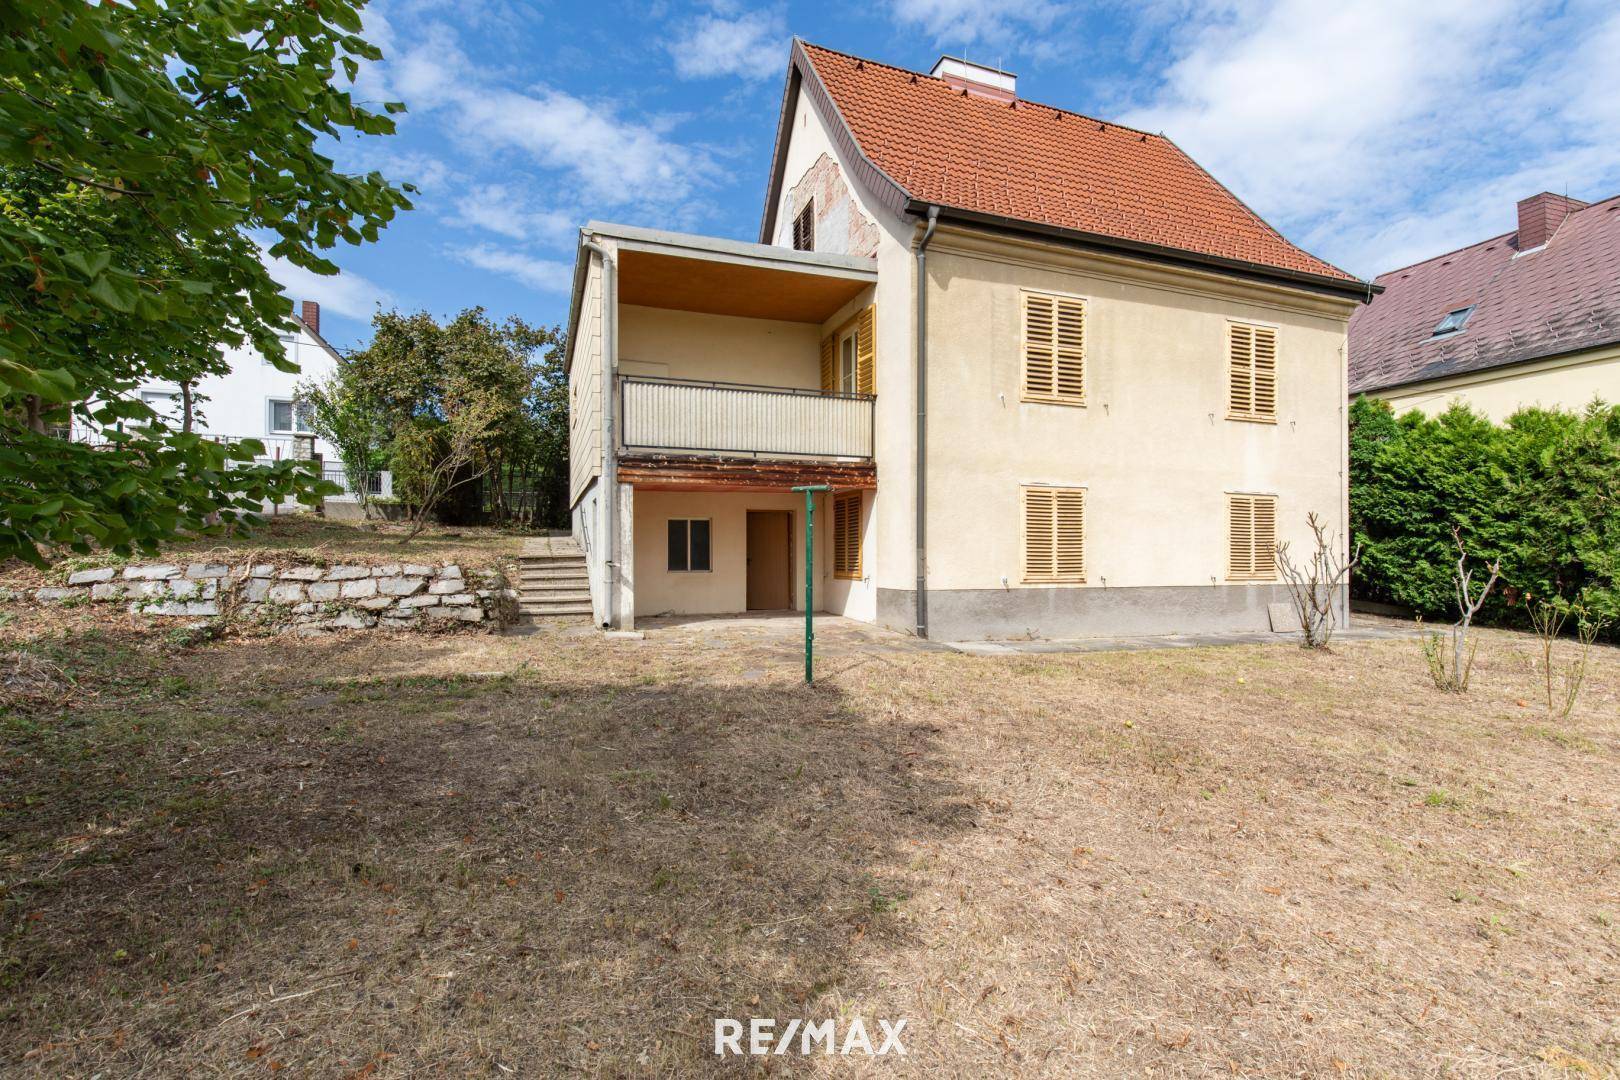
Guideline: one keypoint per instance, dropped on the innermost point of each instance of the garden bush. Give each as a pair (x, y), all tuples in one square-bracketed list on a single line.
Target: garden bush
[(1541, 492)]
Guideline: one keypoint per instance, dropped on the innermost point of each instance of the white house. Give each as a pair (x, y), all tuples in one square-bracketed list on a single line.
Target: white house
[(256, 399)]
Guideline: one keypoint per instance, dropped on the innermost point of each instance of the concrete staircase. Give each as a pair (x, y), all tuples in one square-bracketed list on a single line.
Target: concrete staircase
[(553, 582)]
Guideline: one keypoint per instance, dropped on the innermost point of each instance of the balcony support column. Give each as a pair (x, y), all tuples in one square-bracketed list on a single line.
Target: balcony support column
[(624, 568)]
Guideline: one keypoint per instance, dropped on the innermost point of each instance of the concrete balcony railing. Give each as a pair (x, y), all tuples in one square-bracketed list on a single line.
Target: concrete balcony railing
[(686, 416)]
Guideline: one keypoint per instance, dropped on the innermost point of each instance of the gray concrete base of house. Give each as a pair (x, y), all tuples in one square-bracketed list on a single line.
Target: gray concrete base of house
[(1053, 613)]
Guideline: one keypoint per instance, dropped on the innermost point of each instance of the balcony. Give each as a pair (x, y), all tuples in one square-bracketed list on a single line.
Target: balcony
[(688, 416)]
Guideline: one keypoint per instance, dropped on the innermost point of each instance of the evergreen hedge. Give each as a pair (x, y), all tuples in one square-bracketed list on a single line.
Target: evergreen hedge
[(1541, 492)]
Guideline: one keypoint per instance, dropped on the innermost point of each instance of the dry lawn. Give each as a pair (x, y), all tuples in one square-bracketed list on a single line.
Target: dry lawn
[(554, 854)]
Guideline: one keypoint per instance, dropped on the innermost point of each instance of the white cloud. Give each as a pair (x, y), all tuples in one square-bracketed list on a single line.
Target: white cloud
[(1381, 132), (344, 294), (500, 209), (749, 45), (547, 275), (611, 160), (957, 24)]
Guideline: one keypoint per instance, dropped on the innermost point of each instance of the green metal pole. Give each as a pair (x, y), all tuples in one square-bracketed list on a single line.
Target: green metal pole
[(810, 577)]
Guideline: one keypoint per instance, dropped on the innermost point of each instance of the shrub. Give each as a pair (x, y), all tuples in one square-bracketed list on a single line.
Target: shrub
[(1540, 492)]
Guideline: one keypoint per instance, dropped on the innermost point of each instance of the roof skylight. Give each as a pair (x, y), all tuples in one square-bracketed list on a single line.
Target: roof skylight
[(1453, 322)]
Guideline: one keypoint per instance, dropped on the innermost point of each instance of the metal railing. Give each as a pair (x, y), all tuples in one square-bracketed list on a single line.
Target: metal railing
[(379, 483), (276, 447), (689, 415)]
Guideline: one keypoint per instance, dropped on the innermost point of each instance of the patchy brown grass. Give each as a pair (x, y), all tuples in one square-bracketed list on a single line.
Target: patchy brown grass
[(306, 537), (543, 854)]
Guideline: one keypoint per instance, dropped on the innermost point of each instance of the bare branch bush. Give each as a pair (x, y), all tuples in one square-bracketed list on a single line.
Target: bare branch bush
[(1453, 677), (1562, 686), (1313, 583)]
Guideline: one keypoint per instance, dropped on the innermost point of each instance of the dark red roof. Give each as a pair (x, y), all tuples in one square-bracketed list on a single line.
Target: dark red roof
[(1556, 299), (1039, 164)]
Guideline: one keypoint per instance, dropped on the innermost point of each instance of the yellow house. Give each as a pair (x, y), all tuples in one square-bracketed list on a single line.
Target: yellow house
[(1531, 317), (1058, 381)]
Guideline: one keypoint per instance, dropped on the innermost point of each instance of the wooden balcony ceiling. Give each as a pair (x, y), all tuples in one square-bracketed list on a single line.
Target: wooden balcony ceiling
[(677, 472), (714, 287)]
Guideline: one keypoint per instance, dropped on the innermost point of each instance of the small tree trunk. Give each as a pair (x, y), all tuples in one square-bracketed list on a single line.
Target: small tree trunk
[(34, 409)]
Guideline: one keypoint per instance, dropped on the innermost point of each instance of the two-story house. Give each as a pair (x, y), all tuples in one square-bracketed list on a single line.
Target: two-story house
[(257, 400), (1059, 380)]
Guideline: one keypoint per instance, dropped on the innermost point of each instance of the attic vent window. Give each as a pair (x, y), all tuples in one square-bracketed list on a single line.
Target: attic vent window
[(804, 228), (1454, 322)]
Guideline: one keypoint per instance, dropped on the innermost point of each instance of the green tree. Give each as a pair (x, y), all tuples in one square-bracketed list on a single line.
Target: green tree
[(338, 410), (463, 401), (152, 153)]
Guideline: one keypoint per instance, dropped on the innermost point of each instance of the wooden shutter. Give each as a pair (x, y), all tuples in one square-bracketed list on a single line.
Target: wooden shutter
[(1054, 349), (1252, 375), (1251, 537), (804, 228), (866, 351), (829, 364), (1054, 535), (847, 535)]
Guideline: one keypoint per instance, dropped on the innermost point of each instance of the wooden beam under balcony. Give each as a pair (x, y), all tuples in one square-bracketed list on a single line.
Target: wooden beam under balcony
[(670, 472)]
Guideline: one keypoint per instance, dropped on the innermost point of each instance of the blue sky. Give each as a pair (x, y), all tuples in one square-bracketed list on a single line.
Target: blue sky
[(1372, 133)]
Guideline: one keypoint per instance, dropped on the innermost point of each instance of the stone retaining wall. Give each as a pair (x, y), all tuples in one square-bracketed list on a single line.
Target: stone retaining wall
[(308, 599)]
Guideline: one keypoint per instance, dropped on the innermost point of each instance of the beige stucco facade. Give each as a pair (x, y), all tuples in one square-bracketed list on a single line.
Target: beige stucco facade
[(721, 348), (1152, 446), (1563, 382)]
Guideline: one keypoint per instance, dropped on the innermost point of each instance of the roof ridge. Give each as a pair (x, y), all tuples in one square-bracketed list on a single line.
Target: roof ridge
[(1583, 208), (1448, 254), (1021, 101)]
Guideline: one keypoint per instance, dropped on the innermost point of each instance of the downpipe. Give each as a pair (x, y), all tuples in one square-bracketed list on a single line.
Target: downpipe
[(610, 460), (922, 423)]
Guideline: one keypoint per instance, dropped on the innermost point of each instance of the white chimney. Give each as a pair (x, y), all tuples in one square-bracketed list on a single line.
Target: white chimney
[(976, 79)]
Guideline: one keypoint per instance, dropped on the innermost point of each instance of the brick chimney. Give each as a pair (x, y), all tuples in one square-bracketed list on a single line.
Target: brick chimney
[(1540, 216), (310, 312), (976, 79)]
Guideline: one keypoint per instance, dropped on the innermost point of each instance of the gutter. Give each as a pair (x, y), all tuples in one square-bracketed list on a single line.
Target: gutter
[(922, 423), (610, 463), (1352, 288)]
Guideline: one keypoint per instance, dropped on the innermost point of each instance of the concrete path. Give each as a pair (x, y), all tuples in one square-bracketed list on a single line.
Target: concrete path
[(551, 547), (1363, 630), (783, 633)]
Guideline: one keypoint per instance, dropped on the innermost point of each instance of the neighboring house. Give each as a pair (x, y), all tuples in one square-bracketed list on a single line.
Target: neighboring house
[(1115, 388), (256, 399), (1531, 317)]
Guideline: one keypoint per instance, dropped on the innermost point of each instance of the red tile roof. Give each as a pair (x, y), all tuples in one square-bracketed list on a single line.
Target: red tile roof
[(1039, 164), (1556, 299)]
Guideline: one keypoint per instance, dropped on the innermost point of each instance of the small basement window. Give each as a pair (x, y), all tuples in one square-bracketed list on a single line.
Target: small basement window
[(1454, 322), (689, 545)]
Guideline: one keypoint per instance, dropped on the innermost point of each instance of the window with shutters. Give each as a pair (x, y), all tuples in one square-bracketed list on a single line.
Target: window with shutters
[(1251, 547), (847, 535), (1252, 372), (849, 356), (1054, 349), (1054, 535), (804, 228)]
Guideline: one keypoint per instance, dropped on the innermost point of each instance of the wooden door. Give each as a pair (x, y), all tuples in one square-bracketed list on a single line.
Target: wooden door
[(770, 560)]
